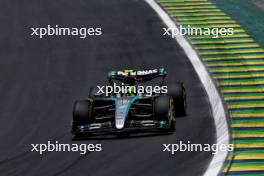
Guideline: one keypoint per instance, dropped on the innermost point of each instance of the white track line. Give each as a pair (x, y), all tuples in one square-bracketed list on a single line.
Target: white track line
[(220, 118)]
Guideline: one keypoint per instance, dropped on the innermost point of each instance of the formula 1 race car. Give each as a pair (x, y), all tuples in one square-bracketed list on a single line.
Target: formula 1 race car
[(130, 110)]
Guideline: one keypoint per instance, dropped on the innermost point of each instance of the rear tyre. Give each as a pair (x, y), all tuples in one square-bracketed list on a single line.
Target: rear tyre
[(178, 94), (81, 113)]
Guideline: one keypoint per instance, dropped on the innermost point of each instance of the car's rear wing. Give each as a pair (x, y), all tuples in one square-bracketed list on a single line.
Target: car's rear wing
[(139, 75)]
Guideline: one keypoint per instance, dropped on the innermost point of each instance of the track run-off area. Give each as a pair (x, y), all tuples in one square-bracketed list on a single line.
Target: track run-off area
[(236, 63)]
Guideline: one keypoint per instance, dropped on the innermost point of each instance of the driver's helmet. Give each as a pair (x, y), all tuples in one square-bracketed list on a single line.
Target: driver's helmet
[(130, 82)]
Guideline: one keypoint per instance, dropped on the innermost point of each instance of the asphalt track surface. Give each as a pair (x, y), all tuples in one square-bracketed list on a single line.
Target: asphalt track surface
[(41, 78)]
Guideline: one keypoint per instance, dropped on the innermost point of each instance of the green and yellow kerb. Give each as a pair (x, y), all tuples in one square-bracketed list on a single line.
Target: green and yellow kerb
[(236, 62)]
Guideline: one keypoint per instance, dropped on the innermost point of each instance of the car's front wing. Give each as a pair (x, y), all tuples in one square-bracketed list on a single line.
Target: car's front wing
[(131, 126)]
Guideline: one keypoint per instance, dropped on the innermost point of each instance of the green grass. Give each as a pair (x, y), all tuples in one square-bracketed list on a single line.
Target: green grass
[(247, 14)]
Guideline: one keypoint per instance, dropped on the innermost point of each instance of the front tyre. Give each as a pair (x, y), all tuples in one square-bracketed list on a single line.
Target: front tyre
[(81, 113), (178, 93), (164, 111)]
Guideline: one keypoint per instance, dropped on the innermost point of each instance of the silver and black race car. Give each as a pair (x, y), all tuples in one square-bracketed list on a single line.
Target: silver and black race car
[(131, 110)]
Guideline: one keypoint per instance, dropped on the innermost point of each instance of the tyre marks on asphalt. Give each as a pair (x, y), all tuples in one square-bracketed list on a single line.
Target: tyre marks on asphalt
[(42, 78)]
